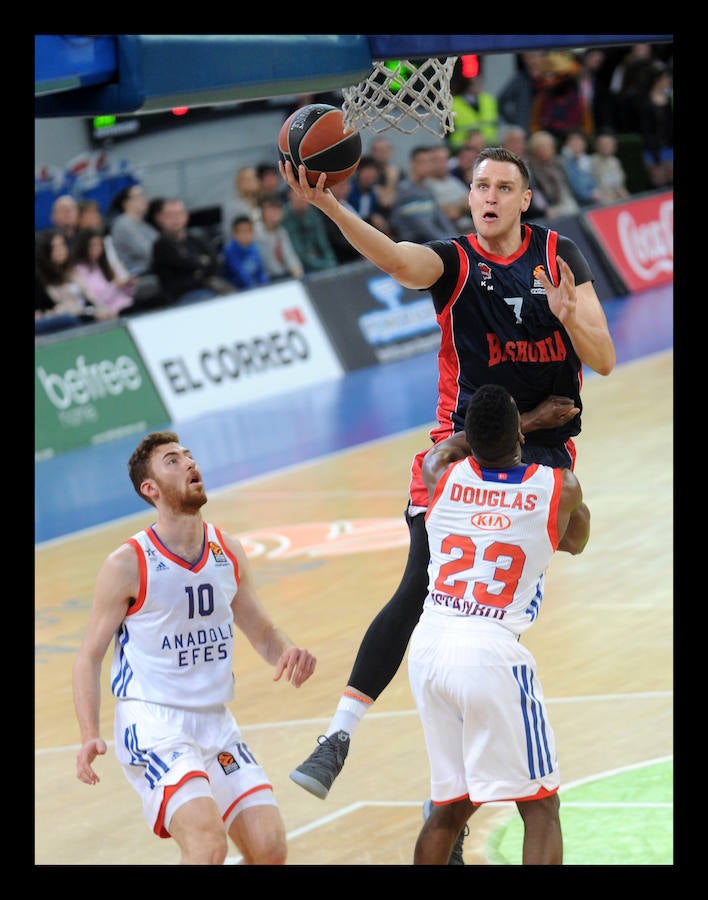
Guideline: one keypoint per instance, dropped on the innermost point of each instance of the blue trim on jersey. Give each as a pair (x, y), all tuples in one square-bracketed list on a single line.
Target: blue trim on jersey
[(514, 475), (538, 752), (534, 607), (154, 766), (120, 683)]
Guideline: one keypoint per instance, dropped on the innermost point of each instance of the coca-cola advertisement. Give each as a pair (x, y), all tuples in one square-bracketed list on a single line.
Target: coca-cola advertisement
[(638, 237)]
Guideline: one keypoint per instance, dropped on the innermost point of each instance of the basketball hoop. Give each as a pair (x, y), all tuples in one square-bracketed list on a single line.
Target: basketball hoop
[(405, 95)]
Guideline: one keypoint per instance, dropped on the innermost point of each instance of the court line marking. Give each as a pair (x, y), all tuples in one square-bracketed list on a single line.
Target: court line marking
[(295, 723), (567, 804)]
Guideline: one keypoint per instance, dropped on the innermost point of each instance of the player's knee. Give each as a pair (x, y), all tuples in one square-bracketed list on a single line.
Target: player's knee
[(205, 847), (267, 850)]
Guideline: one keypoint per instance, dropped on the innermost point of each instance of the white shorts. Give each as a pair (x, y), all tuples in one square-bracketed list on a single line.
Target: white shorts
[(482, 710), (161, 748)]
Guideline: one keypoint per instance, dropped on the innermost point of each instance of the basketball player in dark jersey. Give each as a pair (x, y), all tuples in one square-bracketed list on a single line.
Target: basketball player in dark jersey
[(516, 307)]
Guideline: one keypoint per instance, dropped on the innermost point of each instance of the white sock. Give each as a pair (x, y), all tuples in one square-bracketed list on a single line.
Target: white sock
[(350, 711)]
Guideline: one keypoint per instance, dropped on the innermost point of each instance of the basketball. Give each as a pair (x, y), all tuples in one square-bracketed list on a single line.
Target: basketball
[(315, 137)]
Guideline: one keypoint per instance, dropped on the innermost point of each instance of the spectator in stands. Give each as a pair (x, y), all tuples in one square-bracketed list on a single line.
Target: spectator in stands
[(607, 168), (474, 108), (102, 285), (656, 126), (451, 194), (269, 181), (59, 300), (153, 211), (343, 250), (65, 217), (628, 83), (185, 264), (279, 256), (461, 163), (243, 264), (594, 83), (305, 225), (382, 151), (48, 318), (513, 137), (247, 190), (364, 194), (90, 216), (578, 168), (515, 99), (416, 215), (132, 235), (559, 105), (549, 174)]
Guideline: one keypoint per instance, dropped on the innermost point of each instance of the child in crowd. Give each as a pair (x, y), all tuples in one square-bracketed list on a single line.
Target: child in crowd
[(243, 263)]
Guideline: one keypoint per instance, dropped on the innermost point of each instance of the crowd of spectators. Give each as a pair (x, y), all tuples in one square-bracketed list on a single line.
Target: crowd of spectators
[(564, 113)]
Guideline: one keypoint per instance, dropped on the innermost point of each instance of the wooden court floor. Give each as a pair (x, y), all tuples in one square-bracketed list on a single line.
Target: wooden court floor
[(328, 544)]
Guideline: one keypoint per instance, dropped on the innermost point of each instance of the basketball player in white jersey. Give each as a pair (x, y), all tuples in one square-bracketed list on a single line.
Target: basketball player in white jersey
[(169, 599), (493, 525)]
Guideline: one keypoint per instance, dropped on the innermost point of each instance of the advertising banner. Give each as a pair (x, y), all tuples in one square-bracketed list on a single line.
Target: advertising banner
[(90, 389), (371, 318), (231, 350), (638, 237)]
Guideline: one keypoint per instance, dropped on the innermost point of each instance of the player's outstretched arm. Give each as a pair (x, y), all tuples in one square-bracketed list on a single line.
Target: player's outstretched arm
[(412, 265)]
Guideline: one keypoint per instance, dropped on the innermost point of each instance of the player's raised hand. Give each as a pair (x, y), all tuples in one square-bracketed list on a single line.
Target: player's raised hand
[(562, 298), (318, 194)]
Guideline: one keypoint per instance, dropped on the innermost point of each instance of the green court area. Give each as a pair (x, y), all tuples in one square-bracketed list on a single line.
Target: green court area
[(621, 819)]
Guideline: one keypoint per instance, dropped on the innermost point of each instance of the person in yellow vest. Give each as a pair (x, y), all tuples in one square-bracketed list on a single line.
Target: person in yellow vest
[(475, 110)]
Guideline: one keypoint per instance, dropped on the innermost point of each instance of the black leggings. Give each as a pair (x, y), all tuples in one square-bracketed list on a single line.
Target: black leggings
[(384, 645)]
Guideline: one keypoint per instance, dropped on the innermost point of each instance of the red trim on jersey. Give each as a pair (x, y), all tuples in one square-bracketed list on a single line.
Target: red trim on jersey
[(553, 508), (159, 826), (260, 787), (199, 564), (539, 795), (448, 802), (448, 360), (570, 447), (551, 250), (503, 260), (142, 571), (442, 481), (226, 550), (530, 471)]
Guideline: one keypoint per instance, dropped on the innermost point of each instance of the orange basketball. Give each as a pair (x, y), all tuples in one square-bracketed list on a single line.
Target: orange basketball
[(315, 137)]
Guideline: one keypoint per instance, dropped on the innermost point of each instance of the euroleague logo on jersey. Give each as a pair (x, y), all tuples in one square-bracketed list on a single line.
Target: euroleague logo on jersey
[(490, 521), (228, 762), (218, 554), (537, 287)]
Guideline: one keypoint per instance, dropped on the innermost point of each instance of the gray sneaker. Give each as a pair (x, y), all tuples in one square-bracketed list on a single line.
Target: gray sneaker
[(323, 765), (456, 857)]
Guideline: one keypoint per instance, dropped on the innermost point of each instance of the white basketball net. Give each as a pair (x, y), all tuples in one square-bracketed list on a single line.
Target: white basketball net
[(409, 96)]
